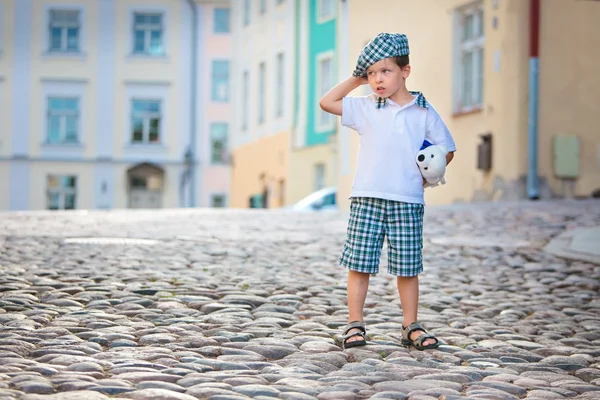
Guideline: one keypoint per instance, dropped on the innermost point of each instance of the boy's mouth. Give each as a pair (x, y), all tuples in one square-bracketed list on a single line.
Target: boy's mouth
[(380, 88)]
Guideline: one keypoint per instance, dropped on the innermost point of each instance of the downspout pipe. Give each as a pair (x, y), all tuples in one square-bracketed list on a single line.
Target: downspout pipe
[(193, 100), (532, 137)]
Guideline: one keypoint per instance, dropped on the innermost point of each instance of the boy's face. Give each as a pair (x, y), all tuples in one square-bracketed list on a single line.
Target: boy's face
[(386, 77)]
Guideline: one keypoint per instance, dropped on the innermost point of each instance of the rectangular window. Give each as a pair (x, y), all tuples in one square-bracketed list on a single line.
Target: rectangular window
[(220, 80), (65, 29), (62, 120), (145, 121), (261, 92), (247, 12), (221, 20), (61, 191), (262, 6), (469, 76), (319, 176), (280, 86), (148, 34), (218, 201), (325, 71), (218, 142), (325, 10), (246, 100)]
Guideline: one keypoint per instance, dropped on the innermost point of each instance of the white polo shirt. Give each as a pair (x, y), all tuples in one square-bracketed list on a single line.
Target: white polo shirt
[(390, 138)]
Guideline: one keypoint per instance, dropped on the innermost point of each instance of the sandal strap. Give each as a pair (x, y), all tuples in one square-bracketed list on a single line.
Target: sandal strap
[(419, 341), (355, 325), (414, 327), (357, 333)]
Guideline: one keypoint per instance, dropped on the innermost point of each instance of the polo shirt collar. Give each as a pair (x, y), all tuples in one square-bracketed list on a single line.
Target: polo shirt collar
[(420, 100)]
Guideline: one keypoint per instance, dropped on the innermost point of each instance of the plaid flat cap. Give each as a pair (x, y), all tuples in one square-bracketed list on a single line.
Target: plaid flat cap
[(384, 45)]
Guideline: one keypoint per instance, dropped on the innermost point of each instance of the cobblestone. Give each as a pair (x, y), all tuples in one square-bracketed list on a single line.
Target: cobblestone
[(239, 304)]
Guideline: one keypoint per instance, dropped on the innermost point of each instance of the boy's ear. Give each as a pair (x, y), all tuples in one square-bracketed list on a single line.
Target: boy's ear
[(406, 71)]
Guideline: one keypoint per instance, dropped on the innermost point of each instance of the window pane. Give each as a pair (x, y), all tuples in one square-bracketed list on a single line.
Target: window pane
[(69, 201), (154, 130), (141, 18), (217, 151), (479, 77), (68, 181), (139, 45), (221, 20), (156, 42), (156, 19), (54, 129), (139, 182), (468, 27), (55, 39), (71, 133), (69, 104), (146, 106), (218, 201), (481, 23), (53, 201), (138, 130), (247, 11), (467, 79), (72, 39)]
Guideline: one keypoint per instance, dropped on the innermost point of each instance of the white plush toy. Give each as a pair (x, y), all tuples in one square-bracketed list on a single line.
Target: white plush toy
[(432, 163)]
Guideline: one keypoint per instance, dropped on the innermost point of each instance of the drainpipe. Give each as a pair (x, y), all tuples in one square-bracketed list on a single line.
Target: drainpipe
[(532, 138), (191, 152)]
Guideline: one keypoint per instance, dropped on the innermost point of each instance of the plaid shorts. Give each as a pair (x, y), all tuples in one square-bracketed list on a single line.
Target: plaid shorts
[(370, 220)]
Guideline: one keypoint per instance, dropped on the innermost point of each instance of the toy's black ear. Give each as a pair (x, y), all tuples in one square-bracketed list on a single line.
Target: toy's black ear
[(421, 158), (432, 156)]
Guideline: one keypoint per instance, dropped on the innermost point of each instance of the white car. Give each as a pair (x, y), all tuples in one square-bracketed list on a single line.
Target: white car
[(321, 200)]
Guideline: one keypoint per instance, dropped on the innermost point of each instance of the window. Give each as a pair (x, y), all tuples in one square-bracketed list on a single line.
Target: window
[(220, 80), (63, 120), (262, 6), (146, 121), (280, 1), (324, 120), (319, 176), (325, 10), (261, 92), (221, 20), (247, 12), (65, 28), (217, 200), (218, 142), (246, 100), (469, 68), (61, 192), (148, 34), (279, 85)]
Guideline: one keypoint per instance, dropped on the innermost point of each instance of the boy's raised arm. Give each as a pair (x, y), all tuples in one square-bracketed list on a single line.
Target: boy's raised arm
[(332, 101)]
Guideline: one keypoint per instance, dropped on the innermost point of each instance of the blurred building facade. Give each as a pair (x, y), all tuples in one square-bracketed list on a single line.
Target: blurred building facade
[(98, 108), (473, 60)]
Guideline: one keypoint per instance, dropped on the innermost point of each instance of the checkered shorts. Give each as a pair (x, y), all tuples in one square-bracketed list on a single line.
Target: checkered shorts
[(370, 220)]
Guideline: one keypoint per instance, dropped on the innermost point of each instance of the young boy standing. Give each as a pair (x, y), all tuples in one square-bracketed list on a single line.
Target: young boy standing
[(387, 193)]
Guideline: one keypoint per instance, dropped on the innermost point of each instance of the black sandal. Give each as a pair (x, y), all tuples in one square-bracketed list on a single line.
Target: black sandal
[(362, 332), (418, 342)]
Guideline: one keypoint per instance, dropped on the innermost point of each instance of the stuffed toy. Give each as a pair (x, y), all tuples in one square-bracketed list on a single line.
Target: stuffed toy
[(431, 160)]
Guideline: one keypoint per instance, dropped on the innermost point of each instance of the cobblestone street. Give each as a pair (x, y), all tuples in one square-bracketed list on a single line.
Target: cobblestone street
[(238, 304)]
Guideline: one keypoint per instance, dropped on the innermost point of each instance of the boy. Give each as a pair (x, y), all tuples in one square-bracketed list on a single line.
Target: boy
[(387, 193)]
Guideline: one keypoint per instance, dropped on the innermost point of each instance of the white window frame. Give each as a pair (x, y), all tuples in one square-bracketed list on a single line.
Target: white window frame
[(321, 16), (262, 92), (60, 88), (228, 84), (62, 192), (329, 125), (224, 156), (82, 29), (214, 30), (223, 195), (280, 91), (246, 100), (146, 123), (131, 29), (475, 47), (63, 115)]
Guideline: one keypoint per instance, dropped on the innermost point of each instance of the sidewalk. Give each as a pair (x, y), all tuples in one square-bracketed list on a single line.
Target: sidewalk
[(578, 244)]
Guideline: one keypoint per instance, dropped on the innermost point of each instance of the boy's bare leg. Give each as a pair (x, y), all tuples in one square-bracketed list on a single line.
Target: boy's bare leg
[(358, 284), (408, 289)]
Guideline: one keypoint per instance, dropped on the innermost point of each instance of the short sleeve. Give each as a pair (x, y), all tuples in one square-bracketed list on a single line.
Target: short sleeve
[(437, 132), (352, 112)]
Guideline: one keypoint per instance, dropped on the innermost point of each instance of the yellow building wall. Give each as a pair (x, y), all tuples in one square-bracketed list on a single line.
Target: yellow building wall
[(270, 156), (504, 113), (570, 88), (4, 195), (302, 177)]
